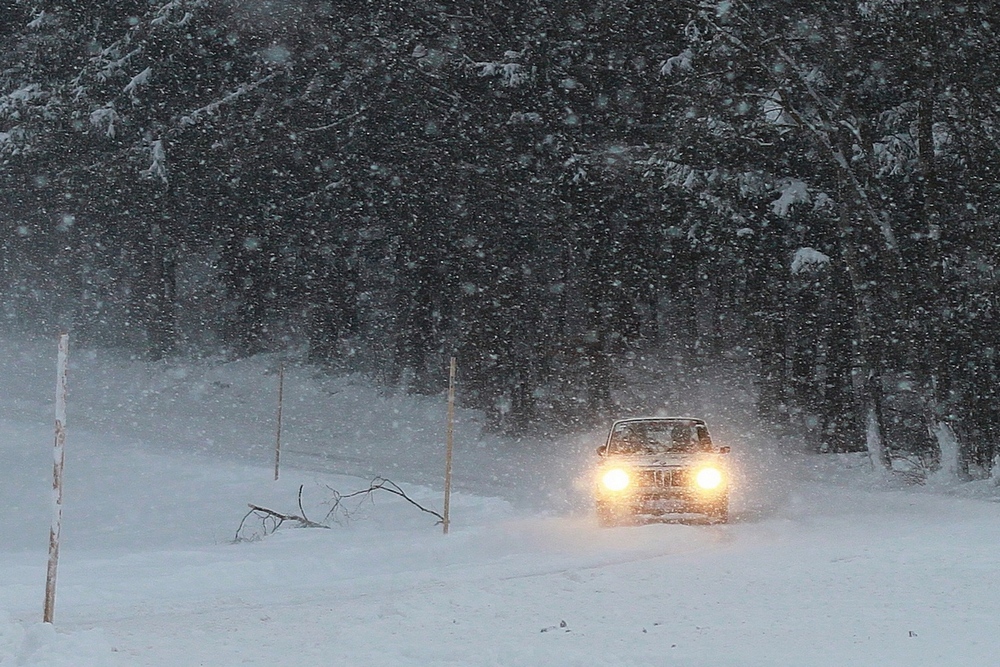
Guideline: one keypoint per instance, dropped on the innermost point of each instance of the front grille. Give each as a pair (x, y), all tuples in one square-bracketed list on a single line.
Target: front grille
[(665, 477)]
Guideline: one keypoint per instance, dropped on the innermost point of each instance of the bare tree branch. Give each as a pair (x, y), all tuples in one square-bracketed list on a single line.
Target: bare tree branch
[(194, 116), (271, 520), (377, 484)]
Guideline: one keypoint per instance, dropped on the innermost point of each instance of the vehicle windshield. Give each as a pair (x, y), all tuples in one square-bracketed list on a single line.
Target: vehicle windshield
[(660, 436)]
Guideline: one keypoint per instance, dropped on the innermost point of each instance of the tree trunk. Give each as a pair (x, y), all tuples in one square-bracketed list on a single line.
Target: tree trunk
[(950, 467), (155, 296), (868, 349)]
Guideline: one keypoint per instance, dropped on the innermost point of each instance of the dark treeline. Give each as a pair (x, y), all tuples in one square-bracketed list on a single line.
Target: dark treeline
[(540, 188)]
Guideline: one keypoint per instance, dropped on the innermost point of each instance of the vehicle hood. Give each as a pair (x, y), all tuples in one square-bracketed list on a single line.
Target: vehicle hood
[(664, 460)]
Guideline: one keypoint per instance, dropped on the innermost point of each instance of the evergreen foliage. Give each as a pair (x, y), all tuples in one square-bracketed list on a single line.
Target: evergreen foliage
[(541, 187)]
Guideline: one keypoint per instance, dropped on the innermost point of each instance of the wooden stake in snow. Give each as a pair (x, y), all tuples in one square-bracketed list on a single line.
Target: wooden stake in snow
[(449, 440), (57, 479), (277, 444)]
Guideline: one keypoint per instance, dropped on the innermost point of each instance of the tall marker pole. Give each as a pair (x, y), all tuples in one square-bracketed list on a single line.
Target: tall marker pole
[(277, 444), (59, 457), (449, 440)]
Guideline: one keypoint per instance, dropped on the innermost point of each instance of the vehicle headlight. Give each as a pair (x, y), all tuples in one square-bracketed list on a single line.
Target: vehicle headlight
[(708, 478), (615, 480)]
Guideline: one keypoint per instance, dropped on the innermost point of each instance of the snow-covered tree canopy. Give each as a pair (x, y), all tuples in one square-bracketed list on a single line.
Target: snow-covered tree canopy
[(534, 186)]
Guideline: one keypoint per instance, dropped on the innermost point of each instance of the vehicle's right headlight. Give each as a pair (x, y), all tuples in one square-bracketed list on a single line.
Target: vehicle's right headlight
[(615, 479), (709, 478)]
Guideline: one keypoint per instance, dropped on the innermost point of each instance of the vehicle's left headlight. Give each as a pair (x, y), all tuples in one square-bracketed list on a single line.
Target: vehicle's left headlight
[(709, 478), (615, 479)]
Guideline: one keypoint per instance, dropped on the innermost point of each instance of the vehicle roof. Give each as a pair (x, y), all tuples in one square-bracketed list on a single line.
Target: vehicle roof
[(694, 420)]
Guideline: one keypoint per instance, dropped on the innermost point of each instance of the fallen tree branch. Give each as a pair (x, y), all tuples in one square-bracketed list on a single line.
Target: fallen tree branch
[(377, 484), (271, 520), (302, 521)]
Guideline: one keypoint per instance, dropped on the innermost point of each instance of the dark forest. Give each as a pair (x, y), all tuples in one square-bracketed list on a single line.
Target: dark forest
[(539, 188)]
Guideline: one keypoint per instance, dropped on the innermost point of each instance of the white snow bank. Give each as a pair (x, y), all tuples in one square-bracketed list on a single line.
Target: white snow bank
[(821, 566), (42, 645)]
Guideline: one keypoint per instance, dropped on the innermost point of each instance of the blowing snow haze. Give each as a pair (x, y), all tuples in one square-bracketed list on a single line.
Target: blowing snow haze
[(778, 219)]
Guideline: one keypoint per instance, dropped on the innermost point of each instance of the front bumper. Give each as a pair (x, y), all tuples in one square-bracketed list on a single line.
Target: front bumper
[(664, 501)]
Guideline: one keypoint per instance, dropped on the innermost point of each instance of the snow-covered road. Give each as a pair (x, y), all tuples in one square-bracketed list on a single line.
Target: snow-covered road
[(834, 576), (824, 563)]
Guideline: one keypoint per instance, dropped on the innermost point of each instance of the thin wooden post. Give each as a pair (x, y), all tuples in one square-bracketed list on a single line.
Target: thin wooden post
[(277, 444), (449, 445), (59, 457)]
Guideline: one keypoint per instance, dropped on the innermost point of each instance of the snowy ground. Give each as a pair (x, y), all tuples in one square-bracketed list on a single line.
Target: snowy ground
[(824, 564)]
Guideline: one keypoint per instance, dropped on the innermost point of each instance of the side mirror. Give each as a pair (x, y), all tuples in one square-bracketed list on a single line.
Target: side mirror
[(602, 450), (724, 450)]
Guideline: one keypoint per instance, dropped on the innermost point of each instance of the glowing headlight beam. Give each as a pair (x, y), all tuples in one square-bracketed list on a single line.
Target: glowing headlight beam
[(615, 480), (709, 478)]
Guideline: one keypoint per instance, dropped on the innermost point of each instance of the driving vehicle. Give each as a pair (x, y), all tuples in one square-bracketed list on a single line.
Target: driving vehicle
[(654, 466)]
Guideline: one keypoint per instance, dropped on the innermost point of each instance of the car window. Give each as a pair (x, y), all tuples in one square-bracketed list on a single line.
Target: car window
[(629, 439), (659, 436)]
